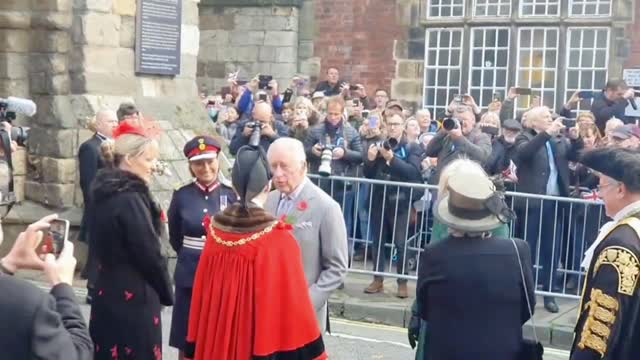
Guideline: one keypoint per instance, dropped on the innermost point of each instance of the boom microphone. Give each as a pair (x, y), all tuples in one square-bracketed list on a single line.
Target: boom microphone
[(18, 105)]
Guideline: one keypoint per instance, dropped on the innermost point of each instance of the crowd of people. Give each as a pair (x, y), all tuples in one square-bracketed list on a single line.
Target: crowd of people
[(534, 151)]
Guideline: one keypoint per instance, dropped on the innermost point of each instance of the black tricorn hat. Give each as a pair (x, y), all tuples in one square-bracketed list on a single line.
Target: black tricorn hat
[(619, 164), (250, 173)]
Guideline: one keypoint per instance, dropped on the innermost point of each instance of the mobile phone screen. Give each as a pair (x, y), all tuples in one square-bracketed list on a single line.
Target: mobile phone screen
[(54, 238), (586, 94), (373, 122), (523, 91)]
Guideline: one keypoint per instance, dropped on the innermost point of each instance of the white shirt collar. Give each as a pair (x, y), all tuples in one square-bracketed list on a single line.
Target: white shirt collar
[(295, 193), (630, 209)]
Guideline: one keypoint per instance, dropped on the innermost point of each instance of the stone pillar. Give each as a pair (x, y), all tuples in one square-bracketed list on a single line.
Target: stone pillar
[(248, 36)]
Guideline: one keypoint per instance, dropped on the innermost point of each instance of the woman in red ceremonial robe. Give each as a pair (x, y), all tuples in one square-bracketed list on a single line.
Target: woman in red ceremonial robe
[(250, 297)]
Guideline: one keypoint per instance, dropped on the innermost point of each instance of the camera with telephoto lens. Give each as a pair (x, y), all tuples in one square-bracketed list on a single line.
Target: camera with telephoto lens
[(450, 124), (256, 133), (325, 160), (388, 144)]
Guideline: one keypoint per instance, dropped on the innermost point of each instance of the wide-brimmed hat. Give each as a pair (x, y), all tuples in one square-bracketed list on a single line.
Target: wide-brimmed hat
[(472, 204)]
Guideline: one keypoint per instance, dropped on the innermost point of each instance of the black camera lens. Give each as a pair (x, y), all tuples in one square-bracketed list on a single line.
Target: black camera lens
[(390, 144), (450, 124)]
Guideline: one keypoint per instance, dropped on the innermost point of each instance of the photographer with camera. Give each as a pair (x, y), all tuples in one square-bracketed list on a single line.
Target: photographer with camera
[(459, 137), (334, 147), (299, 127), (261, 130), (394, 160), (36, 325), (502, 144), (542, 154)]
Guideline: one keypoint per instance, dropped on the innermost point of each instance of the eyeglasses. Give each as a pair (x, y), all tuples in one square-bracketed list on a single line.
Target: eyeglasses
[(604, 186), (394, 124)]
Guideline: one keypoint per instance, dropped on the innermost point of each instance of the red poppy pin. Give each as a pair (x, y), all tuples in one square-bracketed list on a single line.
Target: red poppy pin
[(163, 217), (303, 205)]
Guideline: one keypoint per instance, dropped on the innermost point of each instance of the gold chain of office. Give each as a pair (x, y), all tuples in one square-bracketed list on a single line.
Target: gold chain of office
[(242, 241)]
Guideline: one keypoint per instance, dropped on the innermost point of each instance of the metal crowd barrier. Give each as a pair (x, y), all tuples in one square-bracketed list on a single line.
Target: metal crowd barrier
[(389, 224)]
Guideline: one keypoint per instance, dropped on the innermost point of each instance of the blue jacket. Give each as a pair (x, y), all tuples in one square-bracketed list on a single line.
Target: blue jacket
[(189, 206), (245, 104)]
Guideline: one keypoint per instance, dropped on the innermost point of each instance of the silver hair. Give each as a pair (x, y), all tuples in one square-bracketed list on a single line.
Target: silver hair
[(423, 112), (292, 146)]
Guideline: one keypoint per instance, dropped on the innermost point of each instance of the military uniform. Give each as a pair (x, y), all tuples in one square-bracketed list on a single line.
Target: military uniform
[(190, 205), (609, 320)]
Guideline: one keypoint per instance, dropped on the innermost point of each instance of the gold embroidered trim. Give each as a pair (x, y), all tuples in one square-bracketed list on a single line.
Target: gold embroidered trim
[(602, 313), (625, 263), (593, 342), (242, 241)]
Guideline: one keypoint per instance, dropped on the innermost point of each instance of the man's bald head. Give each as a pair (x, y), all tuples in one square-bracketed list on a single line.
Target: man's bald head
[(262, 112), (106, 121)]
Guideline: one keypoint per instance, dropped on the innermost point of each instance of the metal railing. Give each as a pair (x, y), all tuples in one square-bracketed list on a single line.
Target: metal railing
[(389, 224)]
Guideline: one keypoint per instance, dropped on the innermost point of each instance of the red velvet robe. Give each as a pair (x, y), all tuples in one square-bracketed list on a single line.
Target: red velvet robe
[(251, 301)]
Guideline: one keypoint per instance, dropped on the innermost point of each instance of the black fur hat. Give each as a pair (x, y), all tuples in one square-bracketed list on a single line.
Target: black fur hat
[(250, 173), (619, 164)]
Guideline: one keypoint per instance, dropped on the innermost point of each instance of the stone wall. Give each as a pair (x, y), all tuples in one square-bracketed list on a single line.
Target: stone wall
[(75, 57), (251, 39)]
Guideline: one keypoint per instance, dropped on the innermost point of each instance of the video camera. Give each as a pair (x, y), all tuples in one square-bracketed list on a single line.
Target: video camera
[(8, 109)]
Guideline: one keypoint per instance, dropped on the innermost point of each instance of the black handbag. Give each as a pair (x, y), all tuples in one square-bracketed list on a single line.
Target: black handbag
[(529, 349)]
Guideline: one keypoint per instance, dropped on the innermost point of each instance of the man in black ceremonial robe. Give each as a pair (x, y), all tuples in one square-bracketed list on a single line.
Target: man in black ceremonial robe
[(609, 322)]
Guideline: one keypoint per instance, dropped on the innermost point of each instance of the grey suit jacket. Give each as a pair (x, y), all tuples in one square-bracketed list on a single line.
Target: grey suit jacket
[(322, 235)]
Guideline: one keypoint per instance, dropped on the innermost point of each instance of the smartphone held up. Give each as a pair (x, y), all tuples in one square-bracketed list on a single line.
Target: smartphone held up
[(54, 238)]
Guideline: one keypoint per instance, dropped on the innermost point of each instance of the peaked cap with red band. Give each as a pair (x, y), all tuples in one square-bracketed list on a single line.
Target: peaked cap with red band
[(201, 147)]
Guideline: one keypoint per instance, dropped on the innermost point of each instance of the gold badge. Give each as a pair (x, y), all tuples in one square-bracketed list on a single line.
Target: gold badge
[(202, 147)]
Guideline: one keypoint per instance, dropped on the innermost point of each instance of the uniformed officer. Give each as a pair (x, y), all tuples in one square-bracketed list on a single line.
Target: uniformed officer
[(190, 204), (609, 322)]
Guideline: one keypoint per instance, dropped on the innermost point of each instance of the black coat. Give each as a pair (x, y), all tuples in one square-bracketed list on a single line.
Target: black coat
[(608, 324), (404, 168), (470, 293), (89, 162), (37, 325), (604, 109), (531, 159), (500, 157), (132, 281)]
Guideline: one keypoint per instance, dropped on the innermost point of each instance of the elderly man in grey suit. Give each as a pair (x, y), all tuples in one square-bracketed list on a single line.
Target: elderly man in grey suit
[(317, 222)]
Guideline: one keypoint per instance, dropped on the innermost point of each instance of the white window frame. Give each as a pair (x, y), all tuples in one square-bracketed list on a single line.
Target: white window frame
[(521, 13), (494, 68), (432, 104), (585, 2), (567, 90), (430, 16), (542, 90), (475, 7)]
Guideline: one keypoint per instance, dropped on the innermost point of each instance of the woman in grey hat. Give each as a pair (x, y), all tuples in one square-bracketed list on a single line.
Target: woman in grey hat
[(470, 288)]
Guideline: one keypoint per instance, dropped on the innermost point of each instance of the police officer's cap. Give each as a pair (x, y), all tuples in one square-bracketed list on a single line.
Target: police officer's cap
[(201, 147)]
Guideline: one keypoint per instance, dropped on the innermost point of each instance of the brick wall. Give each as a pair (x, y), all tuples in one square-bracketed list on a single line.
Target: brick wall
[(634, 29), (358, 37)]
